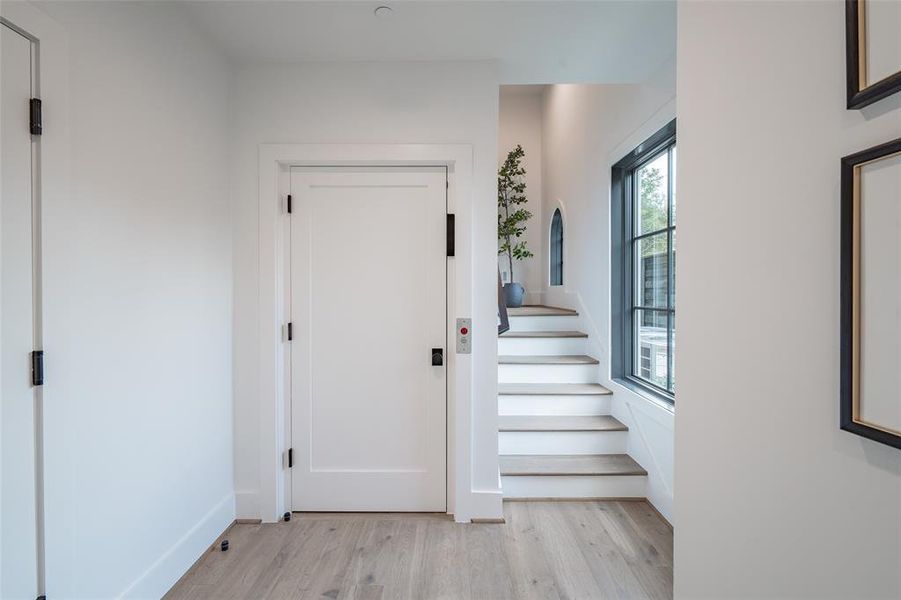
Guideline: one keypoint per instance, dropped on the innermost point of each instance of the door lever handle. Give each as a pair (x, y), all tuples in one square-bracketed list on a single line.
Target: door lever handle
[(437, 357)]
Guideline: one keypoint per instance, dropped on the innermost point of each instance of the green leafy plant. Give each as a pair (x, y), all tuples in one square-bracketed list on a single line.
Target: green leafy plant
[(511, 218)]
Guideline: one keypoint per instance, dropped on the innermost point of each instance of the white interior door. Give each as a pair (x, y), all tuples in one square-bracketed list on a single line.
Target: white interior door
[(368, 305), (18, 515)]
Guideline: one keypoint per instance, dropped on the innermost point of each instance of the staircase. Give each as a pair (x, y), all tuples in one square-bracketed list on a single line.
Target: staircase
[(556, 436)]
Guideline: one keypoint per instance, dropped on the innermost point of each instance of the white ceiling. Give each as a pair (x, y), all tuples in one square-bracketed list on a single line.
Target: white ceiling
[(562, 41)]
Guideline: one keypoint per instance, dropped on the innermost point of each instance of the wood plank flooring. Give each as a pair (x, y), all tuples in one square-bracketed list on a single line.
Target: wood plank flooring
[(589, 549)]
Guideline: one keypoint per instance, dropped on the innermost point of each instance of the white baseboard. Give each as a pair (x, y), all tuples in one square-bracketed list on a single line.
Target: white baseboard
[(175, 562), (483, 504), (661, 499)]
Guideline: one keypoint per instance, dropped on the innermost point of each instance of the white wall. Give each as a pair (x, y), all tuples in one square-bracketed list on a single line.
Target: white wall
[(773, 500), (429, 103), (519, 122), (586, 130), (137, 301)]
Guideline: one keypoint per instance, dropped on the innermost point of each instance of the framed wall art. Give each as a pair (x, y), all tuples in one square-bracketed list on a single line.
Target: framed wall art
[(870, 393), (873, 50)]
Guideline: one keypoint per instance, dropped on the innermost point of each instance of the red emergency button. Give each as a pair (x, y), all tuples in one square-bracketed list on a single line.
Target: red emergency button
[(464, 331)]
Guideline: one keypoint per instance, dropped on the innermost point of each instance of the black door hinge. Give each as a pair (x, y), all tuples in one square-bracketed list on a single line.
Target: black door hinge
[(290, 331), (450, 235), (290, 457), (34, 117), (37, 367), (289, 204)]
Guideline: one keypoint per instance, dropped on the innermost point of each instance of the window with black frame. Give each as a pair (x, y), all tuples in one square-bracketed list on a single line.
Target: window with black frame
[(644, 260)]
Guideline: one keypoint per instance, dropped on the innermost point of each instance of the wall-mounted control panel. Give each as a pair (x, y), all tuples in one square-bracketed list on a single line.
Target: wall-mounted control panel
[(464, 336)]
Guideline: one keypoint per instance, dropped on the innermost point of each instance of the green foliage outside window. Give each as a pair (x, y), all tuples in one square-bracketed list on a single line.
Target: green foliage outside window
[(652, 200)]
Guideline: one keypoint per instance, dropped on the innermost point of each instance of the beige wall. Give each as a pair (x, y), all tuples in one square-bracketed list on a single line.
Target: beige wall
[(519, 122), (772, 499)]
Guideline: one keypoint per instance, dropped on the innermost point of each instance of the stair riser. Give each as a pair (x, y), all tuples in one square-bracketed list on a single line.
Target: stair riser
[(547, 373), (553, 405), (601, 486), (541, 346), (562, 442), (555, 323)]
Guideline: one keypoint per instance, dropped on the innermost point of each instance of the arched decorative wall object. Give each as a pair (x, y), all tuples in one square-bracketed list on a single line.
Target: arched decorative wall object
[(556, 258)]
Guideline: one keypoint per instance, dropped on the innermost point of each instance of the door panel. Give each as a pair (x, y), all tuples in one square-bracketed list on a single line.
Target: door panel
[(368, 289), (18, 518)]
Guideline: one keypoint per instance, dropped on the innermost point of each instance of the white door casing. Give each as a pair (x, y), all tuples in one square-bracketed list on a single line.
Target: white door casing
[(18, 410), (368, 305)]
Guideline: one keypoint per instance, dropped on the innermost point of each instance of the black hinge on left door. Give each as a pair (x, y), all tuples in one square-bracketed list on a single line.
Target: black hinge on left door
[(34, 117), (37, 367), (289, 204), (290, 331), (290, 457)]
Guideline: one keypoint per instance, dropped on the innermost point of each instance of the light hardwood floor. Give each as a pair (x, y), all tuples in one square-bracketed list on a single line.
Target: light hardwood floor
[(586, 549)]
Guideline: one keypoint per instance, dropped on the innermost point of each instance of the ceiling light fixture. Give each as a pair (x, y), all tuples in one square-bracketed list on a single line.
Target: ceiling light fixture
[(383, 12)]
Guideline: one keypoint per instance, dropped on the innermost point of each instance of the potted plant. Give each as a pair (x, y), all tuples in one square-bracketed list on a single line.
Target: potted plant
[(511, 219)]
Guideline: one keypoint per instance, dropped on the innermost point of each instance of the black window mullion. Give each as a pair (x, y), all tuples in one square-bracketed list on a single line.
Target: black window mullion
[(642, 236), (652, 308), (634, 269), (671, 228), (628, 229), (669, 268), (669, 354)]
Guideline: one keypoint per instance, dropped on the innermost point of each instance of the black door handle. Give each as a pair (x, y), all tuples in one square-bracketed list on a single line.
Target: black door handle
[(437, 357)]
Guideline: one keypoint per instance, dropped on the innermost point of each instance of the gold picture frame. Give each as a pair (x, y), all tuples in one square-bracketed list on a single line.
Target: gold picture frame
[(852, 417), (861, 90)]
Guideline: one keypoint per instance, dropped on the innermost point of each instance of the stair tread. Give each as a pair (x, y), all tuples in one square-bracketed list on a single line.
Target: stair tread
[(544, 334), (580, 465), (540, 310), (560, 423), (552, 389), (562, 359)]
